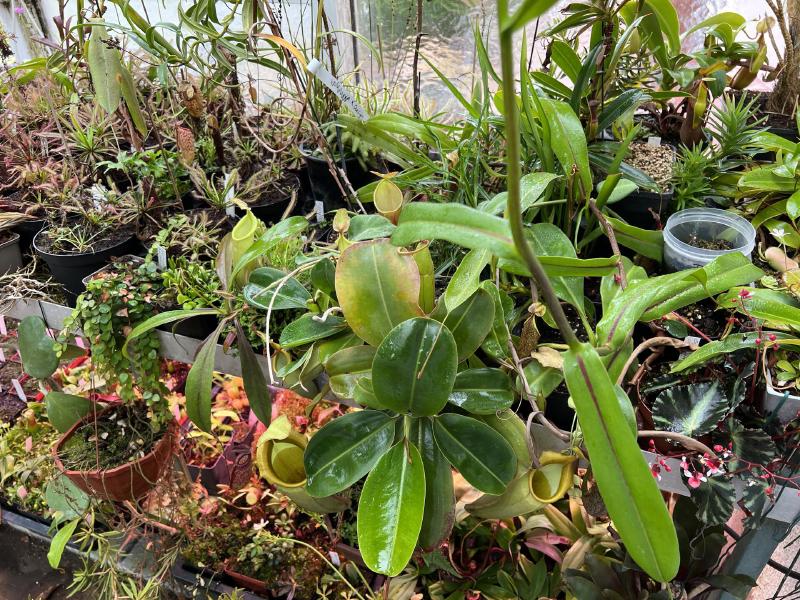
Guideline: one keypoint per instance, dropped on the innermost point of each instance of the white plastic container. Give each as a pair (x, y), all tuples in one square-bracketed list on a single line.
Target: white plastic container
[(707, 224), (786, 406)]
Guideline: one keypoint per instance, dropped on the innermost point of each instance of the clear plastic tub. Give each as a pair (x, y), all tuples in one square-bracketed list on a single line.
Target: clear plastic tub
[(704, 225)]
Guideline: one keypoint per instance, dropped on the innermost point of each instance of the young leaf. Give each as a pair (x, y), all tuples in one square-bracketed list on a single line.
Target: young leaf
[(466, 279), (345, 450), (265, 283), (469, 323), (36, 348), (481, 455), (255, 384), (198, 382), (309, 328), (482, 391), (59, 542), (414, 367), (64, 410), (390, 510)]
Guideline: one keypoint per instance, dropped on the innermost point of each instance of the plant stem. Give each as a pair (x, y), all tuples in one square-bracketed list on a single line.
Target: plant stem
[(514, 197), (684, 440)]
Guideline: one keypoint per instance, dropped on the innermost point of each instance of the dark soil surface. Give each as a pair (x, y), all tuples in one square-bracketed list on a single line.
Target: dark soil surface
[(113, 237), (5, 236), (711, 244), (10, 406), (704, 316)]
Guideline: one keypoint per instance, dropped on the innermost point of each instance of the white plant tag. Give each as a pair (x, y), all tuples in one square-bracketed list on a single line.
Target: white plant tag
[(2, 355), (161, 257), (19, 390), (319, 208), (654, 140), (693, 340), (3, 330), (320, 72)]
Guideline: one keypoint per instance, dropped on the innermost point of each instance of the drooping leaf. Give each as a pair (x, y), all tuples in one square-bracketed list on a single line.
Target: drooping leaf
[(369, 227), (439, 515), (164, 318), (345, 450), (266, 284), (770, 305), (629, 490), (323, 276), (414, 367), (692, 409), (532, 188), (309, 328), (482, 391), (478, 452), (64, 410), (104, 66), (59, 542), (255, 383), (466, 278), (36, 348), (642, 241), (469, 323), (548, 240), (377, 288), (390, 510), (568, 141), (198, 382)]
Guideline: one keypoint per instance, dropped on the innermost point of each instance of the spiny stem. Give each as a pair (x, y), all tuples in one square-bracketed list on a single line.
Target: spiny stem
[(514, 197)]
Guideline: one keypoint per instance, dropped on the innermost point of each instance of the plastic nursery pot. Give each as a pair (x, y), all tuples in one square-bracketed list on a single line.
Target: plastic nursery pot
[(27, 230), (246, 582), (687, 229), (280, 462), (125, 482), (128, 258), (641, 208), (70, 269), (10, 255), (233, 467), (782, 404), (322, 185)]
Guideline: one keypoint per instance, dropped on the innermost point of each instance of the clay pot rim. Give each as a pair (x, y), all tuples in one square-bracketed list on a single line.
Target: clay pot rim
[(170, 434)]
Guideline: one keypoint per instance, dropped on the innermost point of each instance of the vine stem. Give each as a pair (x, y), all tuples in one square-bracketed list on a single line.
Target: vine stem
[(651, 343), (514, 196), (684, 440)]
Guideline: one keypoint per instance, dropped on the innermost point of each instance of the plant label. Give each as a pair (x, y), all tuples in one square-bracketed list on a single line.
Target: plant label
[(161, 257), (319, 209), (19, 390), (320, 72), (654, 140)]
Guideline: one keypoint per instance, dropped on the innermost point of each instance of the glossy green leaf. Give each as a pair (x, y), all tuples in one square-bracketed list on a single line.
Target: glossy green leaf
[(266, 283), (345, 450), (469, 323), (170, 316), (350, 360), (482, 391), (734, 20), (198, 382), (36, 348), (496, 342), (563, 266), (628, 488), (622, 189), (692, 410), (309, 328), (323, 276), (369, 227), (59, 542), (64, 410), (440, 502), (104, 66), (667, 17), (524, 13), (568, 140), (566, 58), (481, 455), (65, 498), (466, 278), (733, 343), (390, 510), (585, 75), (377, 288), (643, 241), (542, 380), (414, 367), (532, 188), (255, 383), (770, 305), (548, 240)]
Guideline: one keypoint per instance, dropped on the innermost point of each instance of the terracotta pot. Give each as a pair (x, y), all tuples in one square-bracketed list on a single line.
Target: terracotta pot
[(126, 482)]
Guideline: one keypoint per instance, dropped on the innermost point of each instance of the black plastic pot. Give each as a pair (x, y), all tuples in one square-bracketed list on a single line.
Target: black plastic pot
[(638, 209), (10, 255), (198, 328), (70, 269), (27, 230), (321, 184), (269, 211)]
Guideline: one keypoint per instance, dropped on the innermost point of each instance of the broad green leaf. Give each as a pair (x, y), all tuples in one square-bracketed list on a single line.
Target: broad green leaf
[(734, 342), (568, 141), (323, 276), (667, 17), (131, 97), (610, 287), (466, 279), (198, 382), (104, 66), (64, 410), (715, 499), (377, 288), (770, 305), (345, 450), (623, 477), (369, 227), (309, 328), (622, 189), (469, 323), (542, 380), (414, 367), (751, 447), (496, 342), (766, 180), (163, 318), (563, 266), (525, 12), (36, 348), (266, 283), (481, 455), (734, 20), (439, 497), (455, 223), (65, 499), (548, 240), (350, 360), (255, 384), (532, 188), (566, 58), (482, 391), (59, 542), (390, 510), (643, 241), (625, 102), (770, 141), (692, 409)]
